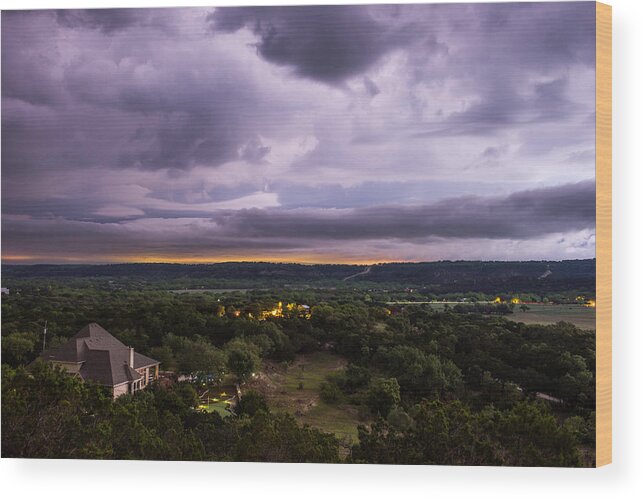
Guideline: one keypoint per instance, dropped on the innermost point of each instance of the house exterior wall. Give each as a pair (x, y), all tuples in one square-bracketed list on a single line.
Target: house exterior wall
[(121, 389)]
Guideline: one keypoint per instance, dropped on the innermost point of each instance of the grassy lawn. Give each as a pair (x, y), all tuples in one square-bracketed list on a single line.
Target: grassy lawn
[(295, 389), (219, 406), (340, 419), (214, 398)]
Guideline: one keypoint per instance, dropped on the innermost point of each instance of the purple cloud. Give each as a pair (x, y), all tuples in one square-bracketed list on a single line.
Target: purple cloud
[(404, 130)]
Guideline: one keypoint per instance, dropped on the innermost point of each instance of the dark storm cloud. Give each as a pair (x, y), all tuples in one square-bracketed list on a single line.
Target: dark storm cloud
[(29, 59), (123, 100), (504, 44), (254, 151), (298, 127), (182, 141), (331, 43), (521, 215), (326, 43), (106, 20), (110, 21)]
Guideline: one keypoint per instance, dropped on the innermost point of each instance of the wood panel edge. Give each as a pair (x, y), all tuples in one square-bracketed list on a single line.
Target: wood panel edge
[(603, 234)]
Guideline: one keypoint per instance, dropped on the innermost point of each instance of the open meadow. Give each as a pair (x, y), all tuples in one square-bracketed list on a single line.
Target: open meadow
[(295, 389), (542, 313)]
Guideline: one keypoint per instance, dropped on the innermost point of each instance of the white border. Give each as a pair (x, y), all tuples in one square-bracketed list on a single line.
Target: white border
[(53, 479)]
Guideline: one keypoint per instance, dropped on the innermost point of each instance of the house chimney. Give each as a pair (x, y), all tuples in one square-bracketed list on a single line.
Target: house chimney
[(131, 357)]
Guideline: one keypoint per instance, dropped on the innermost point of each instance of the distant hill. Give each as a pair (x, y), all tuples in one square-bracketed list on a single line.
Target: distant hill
[(445, 276), (491, 276)]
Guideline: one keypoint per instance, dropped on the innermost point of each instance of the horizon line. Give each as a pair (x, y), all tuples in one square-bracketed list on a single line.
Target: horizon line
[(221, 262)]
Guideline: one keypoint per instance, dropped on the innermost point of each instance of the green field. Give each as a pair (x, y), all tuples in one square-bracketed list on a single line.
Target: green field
[(579, 315), (541, 313), (295, 389)]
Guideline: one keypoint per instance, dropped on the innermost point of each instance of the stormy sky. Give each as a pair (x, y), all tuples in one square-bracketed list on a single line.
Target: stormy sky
[(308, 134)]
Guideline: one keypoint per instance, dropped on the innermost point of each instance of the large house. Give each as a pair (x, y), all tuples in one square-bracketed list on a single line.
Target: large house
[(95, 355)]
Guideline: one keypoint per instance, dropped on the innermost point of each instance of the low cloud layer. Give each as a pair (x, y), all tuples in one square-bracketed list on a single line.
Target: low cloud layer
[(317, 233), (521, 215), (336, 133)]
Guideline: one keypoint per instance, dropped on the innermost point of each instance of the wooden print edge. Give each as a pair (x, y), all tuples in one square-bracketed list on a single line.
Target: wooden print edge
[(603, 234)]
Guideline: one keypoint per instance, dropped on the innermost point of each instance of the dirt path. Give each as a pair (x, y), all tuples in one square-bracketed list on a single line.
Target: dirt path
[(363, 272)]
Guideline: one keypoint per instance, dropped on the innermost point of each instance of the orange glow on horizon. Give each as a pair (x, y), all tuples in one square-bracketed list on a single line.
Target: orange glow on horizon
[(18, 258), (301, 259)]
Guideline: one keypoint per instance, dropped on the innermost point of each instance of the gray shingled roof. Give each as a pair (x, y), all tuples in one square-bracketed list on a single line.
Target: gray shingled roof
[(103, 358)]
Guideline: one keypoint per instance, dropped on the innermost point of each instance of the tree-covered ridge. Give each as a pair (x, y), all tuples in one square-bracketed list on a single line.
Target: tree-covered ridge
[(436, 277)]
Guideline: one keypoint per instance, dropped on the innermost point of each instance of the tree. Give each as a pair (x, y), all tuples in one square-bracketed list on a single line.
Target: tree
[(353, 378), (278, 438), (399, 419), (165, 356), (403, 362), (200, 358), (435, 379), (383, 395), (450, 433), (242, 359), (531, 436), (329, 392), (19, 348), (251, 403), (48, 414)]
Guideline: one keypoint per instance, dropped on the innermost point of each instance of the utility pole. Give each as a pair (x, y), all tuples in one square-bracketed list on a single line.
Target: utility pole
[(44, 337)]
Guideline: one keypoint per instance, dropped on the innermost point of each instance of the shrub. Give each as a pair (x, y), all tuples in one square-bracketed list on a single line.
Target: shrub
[(329, 392)]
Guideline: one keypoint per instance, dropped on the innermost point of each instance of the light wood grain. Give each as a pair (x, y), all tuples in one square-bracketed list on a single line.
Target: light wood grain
[(603, 234)]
